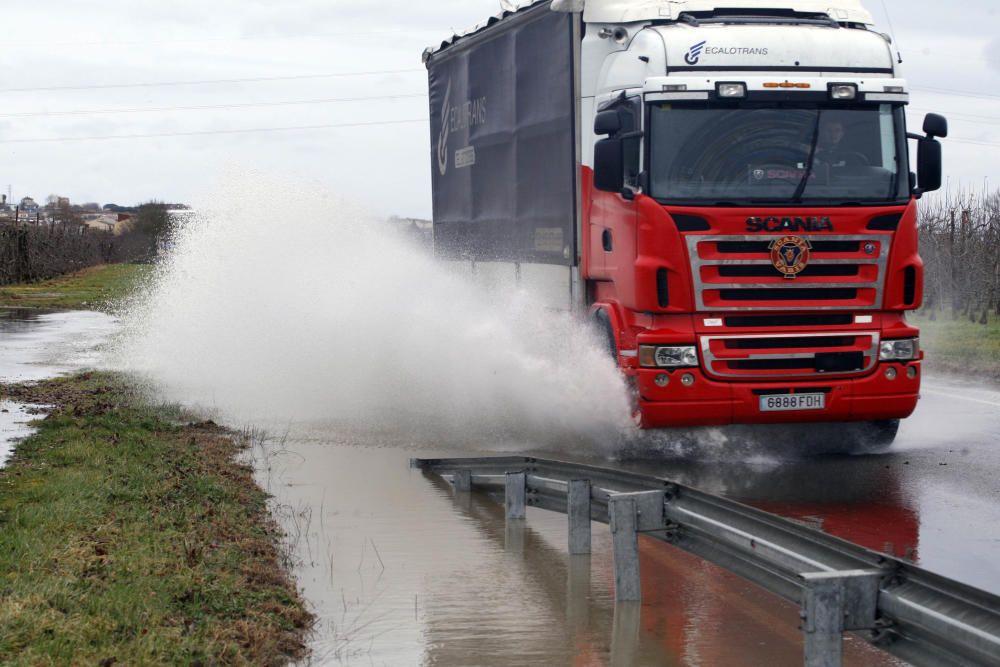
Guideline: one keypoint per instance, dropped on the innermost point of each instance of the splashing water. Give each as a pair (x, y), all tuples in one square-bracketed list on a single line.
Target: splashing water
[(282, 302)]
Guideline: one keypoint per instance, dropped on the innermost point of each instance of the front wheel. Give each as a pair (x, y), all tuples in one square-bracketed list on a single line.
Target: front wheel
[(879, 433)]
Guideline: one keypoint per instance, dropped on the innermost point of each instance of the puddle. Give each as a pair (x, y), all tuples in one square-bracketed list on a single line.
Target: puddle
[(36, 345), (14, 419)]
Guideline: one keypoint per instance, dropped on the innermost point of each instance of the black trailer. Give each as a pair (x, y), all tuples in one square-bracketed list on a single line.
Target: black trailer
[(504, 140)]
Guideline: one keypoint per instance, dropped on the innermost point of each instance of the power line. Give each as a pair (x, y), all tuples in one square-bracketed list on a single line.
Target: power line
[(963, 117), (209, 40), (203, 107), (959, 93), (970, 141), (200, 82), (197, 133)]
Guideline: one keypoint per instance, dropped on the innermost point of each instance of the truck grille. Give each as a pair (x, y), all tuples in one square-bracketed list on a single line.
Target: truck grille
[(733, 273), (780, 356)]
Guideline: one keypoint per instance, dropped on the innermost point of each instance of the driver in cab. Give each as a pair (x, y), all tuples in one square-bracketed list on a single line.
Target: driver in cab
[(831, 150)]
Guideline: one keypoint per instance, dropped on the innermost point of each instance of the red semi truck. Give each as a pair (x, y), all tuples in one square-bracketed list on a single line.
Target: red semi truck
[(724, 188)]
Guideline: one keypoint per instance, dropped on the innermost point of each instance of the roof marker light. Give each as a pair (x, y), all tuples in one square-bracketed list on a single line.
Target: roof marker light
[(786, 84)]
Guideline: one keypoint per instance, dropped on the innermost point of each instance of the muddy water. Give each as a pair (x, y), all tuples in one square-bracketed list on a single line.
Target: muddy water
[(35, 345), (402, 572)]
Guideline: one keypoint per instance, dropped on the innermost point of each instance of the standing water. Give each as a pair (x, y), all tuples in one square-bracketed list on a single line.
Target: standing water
[(35, 345)]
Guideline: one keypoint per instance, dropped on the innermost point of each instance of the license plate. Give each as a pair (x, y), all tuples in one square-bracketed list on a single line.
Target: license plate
[(790, 402)]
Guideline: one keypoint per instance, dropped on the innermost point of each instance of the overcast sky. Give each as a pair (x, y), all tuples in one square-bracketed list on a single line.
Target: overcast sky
[(99, 47)]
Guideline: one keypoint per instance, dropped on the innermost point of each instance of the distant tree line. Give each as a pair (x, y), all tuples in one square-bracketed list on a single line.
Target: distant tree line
[(960, 245), (30, 252)]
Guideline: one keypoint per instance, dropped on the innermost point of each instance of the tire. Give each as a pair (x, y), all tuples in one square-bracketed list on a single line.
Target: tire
[(603, 325), (880, 433)]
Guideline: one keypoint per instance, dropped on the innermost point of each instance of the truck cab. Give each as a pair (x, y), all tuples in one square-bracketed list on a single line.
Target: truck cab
[(724, 189)]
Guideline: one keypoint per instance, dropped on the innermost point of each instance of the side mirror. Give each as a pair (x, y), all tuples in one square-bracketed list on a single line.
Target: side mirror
[(608, 122), (609, 165), (935, 125), (929, 165)]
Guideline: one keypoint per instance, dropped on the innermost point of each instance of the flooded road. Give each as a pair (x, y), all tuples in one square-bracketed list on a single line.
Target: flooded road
[(932, 498), (400, 572)]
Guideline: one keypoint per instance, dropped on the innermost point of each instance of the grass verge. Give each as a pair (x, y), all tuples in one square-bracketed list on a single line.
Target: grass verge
[(128, 537), (960, 346), (95, 288)]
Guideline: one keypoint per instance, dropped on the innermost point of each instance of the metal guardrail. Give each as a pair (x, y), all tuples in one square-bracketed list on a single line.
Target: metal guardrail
[(913, 614)]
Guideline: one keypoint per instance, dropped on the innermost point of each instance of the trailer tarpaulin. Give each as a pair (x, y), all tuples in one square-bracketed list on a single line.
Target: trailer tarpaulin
[(503, 146)]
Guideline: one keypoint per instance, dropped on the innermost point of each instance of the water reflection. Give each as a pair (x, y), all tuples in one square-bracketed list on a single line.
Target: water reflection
[(860, 499), (691, 612)]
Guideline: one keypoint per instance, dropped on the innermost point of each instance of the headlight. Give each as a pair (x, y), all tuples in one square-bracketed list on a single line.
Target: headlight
[(899, 350), (653, 356)]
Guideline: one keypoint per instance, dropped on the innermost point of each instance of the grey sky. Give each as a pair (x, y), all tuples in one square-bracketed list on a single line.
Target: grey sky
[(52, 44)]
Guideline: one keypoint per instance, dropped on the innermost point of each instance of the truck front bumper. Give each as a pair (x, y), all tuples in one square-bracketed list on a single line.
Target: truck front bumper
[(708, 402)]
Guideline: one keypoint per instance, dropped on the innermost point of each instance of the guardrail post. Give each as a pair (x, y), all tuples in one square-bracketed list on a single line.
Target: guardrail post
[(625, 548), (578, 511), (833, 602), (462, 481), (625, 634), (516, 489), (578, 592)]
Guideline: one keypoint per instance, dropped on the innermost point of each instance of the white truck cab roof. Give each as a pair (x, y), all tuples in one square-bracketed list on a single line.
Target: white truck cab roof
[(628, 11), (767, 48)]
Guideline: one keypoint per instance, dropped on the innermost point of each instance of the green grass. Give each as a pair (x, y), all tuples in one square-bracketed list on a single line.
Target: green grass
[(128, 538), (960, 345), (95, 288)]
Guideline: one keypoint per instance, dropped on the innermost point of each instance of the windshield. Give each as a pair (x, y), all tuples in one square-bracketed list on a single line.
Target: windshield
[(777, 153)]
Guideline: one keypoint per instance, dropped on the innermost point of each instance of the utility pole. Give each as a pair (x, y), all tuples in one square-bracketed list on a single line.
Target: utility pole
[(951, 260)]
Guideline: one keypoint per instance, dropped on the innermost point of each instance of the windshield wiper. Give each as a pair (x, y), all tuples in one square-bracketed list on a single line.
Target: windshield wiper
[(800, 190)]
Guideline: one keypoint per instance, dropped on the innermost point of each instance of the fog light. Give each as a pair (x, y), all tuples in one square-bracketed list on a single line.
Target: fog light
[(687, 379), (911, 372), (662, 380), (890, 373)]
